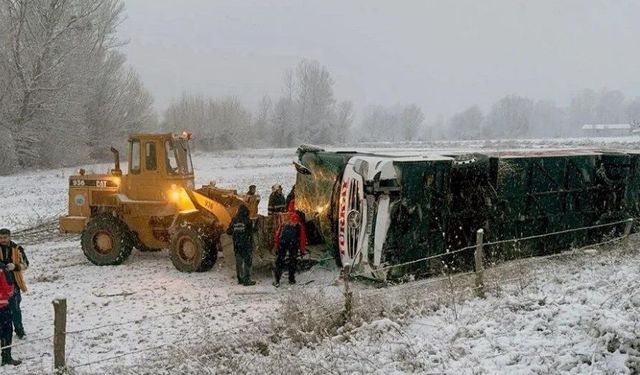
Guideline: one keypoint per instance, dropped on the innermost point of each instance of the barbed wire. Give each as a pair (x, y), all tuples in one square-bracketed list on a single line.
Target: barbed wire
[(119, 356), (382, 290), (459, 275), (215, 333), (340, 310)]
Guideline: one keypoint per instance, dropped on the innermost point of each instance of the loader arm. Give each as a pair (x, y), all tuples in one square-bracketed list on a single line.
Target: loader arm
[(206, 204)]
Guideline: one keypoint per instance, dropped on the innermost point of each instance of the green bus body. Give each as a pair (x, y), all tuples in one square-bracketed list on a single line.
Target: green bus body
[(374, 211)]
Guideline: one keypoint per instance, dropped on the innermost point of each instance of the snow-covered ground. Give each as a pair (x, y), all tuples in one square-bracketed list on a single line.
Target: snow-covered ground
[(576, 316)]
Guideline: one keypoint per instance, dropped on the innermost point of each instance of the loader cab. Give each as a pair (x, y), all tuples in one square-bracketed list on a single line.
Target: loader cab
[(156, 163)]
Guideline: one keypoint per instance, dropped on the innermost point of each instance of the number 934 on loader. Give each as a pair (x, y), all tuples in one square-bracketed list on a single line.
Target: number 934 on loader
[(151, 207)]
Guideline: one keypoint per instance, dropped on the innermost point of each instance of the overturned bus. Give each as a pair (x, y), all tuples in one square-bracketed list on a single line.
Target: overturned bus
[(382, 213)]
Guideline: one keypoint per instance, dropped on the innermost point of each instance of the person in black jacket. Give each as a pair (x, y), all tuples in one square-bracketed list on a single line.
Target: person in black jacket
[(241, 229), (276, 200)]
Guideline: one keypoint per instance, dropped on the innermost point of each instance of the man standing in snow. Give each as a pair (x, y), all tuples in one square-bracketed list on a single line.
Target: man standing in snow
[(290, 237), (276, 200), (14, 261), (253, 200), (241, 229), (6, 325)]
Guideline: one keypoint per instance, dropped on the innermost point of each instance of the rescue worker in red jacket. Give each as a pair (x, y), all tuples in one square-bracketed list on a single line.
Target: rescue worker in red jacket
[(15, 262), (6, 322), (289, 238)]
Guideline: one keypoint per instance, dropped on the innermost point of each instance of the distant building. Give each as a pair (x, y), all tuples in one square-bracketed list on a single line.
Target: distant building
[(609, 130)]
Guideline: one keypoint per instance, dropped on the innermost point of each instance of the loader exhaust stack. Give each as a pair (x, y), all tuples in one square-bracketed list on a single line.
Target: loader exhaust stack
[(116, 160)]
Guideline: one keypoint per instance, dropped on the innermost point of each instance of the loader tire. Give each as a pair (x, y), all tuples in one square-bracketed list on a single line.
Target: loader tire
[(211, 246), (106, 241), (193, 249)]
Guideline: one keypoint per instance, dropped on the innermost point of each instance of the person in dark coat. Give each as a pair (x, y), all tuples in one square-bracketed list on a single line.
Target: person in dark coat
[(15, 261), (6, 323), (252, 190), (277, 202), (253, 200), (290, 237), (241, 229)]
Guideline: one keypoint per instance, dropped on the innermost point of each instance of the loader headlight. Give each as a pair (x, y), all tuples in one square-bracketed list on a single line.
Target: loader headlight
[(174, 194), (180, 197)]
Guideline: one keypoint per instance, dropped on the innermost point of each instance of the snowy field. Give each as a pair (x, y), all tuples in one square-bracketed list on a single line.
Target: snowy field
[(578, 314)]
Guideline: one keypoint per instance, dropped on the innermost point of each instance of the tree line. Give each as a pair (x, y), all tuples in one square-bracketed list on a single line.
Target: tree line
[(66, 93), (515, 116), (307, 111)]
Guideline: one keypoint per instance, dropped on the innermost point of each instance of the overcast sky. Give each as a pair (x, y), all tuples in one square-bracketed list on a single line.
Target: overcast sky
[(442, 55)]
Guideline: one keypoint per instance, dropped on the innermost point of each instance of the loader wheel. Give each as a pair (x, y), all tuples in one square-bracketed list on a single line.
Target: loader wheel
[(192, 249), (106, 241)]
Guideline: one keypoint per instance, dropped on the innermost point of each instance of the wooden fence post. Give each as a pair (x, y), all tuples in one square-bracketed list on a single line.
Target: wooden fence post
[(348, 295), (59, 335), (479, 256), (627, 232)]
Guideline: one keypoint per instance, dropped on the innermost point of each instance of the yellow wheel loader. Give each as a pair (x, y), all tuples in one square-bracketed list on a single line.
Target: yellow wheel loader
[(151, 207)]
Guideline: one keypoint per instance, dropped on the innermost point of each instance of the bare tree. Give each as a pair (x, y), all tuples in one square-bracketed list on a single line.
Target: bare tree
[(510, 117), (633, 112), (344, 120), (375, 124), (58, 65), (282, 125), (217, 124), (118, 105), (397, 123), (44, 37), (411, 121), (261, 122), (467, 124), (314, 101)]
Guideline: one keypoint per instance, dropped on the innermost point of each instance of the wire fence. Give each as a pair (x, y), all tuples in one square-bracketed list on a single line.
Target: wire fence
[(493, 243), (337, 307), (254, 324)]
